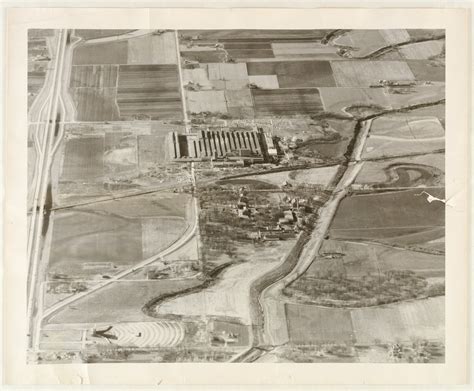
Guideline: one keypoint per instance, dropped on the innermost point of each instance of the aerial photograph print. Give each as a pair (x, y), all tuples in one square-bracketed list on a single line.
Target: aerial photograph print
[(236, 196)]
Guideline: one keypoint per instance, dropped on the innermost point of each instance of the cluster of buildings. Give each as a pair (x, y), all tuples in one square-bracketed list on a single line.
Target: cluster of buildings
[(244, 146)]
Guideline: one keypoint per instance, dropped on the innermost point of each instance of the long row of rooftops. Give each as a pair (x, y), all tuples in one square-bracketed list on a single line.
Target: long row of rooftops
[(248, 146)]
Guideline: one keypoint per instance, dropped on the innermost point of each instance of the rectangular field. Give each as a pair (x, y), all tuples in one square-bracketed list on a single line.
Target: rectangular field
[(95, 104), (309, 324), (83, 159), (101, 53), (422, 50), (388, 215), (295, 74), (94, 76), (367, 73), (153, 49), (287, 101), (427, 70), (149, 91)]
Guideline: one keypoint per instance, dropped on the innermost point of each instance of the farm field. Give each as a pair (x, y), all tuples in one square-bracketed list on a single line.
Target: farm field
[(387, 215), (380, 146), (121, 301), (357, 259), (418, 94), (422, 50), (83, 160), (287, 102), (427, 70), (150, 91), (101, 53), (367, 73), (336, 100), (295, 74), (403, 322), (405, 127), (152, 49), (92, 34)]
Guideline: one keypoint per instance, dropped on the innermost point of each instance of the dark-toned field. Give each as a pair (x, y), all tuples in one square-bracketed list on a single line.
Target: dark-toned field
[(98, 76), (149, 91), (295, 74), (427, 70), (91, 34), (287, 101), (101, 53), (388, 215)]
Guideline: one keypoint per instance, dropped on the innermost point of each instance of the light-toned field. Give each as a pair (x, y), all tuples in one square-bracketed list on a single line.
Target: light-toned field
[(265, 81), (381, 147), (366, 73), (152, 149), (230, 296), (238, 98), (312, 176), (226, 71), (402, 322), (283, 50), (364, 41), (202, 101), (394, 36), (420, 94), (197, 76), (405, 127), (159, 233), (152, 49), (422, 50), (427, 70), (336, 99)]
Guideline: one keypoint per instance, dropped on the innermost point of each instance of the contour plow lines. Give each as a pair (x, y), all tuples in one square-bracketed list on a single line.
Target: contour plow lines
[(188, 234), (164, 334)]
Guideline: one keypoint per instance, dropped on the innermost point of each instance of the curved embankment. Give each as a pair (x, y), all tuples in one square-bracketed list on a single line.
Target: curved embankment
[(211, 279)]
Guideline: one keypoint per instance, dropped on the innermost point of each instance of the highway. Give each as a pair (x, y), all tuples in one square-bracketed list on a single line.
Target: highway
[(47, 138)]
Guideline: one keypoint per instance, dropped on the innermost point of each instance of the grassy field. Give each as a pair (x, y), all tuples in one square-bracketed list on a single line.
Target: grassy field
[(417, 95), (427, 70), (206, 101), (385, 215), (87, 243), (119, 302), (367, 73), (405, 127), (390, 147), (152, 149), (357, 259), (83, 159), (295, 74), (403, 322), (422, 50), (152, 49), (159, 233), (315, 50), (310, 324), (287, 102), (336, 99), (363, 41)]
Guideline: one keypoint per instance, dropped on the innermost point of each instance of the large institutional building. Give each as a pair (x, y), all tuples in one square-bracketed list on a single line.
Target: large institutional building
[(247, 146)]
